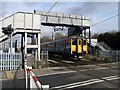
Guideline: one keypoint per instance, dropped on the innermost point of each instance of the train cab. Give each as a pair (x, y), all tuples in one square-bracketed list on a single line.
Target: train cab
[(78, 47)]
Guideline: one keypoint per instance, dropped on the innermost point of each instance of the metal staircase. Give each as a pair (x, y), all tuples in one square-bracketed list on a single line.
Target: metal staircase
[(5, 37), (103, 46)]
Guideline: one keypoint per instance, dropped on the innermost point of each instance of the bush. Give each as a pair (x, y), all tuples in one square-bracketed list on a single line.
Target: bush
[(40, 64)]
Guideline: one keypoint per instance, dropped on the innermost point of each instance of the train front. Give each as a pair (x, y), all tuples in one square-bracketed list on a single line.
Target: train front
[(79, 47)]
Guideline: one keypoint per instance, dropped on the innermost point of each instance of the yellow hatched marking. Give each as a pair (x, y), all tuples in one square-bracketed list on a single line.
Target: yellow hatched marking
[(9, 74)]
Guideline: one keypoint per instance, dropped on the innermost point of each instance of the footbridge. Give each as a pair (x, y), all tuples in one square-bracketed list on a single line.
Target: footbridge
[(25, 23)]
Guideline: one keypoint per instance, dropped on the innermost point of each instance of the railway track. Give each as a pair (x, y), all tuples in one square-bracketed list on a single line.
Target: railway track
[(58, 61), (73, 65), (69, 64)]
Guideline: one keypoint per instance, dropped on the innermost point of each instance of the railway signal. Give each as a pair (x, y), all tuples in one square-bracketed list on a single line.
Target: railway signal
[(7, 30)]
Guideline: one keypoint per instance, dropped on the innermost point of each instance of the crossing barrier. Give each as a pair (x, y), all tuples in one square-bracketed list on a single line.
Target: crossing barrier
[(34, 82)]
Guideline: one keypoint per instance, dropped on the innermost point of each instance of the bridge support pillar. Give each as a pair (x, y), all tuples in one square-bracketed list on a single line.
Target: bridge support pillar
[(25, 47), (38, 38), (90, 48)]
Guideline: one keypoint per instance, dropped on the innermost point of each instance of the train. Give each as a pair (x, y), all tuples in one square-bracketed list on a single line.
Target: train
[(71, 47)]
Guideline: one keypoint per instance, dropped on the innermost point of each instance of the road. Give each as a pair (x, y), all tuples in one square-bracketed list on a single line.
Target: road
[(90, 76), (93, 77)]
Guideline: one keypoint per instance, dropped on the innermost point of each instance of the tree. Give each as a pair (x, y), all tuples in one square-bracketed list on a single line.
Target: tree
[(111, 39), (45, 39), (95, 36), (59, 35)]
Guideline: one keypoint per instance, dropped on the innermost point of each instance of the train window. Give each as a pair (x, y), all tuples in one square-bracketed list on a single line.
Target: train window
[(84, 42), (74, 41), (79, 42)]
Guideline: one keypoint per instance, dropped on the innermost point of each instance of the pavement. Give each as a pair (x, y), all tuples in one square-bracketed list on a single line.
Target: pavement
[(85, 76)]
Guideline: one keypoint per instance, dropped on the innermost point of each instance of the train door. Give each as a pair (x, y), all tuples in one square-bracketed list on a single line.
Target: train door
[(73, 45), (79, 45), (85, 48)]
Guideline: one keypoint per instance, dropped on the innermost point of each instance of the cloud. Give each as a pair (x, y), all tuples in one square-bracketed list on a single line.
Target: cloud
[(106, 26), (95, 8), (46, 31), (99, 11), (95, 11)]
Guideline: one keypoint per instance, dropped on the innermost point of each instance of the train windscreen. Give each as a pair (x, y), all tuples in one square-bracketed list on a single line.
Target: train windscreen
[(74, 41)]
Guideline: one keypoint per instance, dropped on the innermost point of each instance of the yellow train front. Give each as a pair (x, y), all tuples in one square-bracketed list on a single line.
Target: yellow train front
[(72, 47)]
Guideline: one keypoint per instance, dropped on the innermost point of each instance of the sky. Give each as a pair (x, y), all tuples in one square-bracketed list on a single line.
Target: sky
[(95, 11)]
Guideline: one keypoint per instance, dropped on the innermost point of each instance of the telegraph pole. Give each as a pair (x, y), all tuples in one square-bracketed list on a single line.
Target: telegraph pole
[(11, 41)]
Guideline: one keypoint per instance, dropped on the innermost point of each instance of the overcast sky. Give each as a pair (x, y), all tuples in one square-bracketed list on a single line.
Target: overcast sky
[(95, 11)]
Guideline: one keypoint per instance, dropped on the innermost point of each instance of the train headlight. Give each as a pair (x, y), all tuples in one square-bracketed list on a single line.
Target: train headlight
[(80, 57), (75, 56)]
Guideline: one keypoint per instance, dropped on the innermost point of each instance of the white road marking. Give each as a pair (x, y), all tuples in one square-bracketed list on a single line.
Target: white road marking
[(73, 70), (55, 68), (113, 78), (61, 72), (56, 73), (101, 68), (114, 67), (84, 83), (91, 80), (109, 63), (109, 77), (83, 70)]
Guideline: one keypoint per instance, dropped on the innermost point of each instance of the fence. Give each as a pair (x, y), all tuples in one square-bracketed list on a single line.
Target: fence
[(10, 61), (44, 55), (113, 55), (6, 45), (44, 58)]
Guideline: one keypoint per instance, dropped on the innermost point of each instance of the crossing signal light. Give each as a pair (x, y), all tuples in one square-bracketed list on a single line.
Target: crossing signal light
[(7, 30)]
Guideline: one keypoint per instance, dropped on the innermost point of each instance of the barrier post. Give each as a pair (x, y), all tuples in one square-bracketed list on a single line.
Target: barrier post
[(34, 83)]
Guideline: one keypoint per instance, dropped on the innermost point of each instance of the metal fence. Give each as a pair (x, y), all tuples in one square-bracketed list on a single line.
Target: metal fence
[(10, 61), (6, 45), (113, 55), (44, 55), (44, 58)]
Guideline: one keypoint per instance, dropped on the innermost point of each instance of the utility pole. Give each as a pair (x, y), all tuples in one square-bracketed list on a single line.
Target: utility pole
[(11, 41)]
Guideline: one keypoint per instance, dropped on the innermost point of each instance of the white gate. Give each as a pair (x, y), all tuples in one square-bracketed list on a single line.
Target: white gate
[(10, 61)]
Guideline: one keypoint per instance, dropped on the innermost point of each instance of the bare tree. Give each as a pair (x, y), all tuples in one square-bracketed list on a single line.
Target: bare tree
[(45, 39), (60, 35)]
